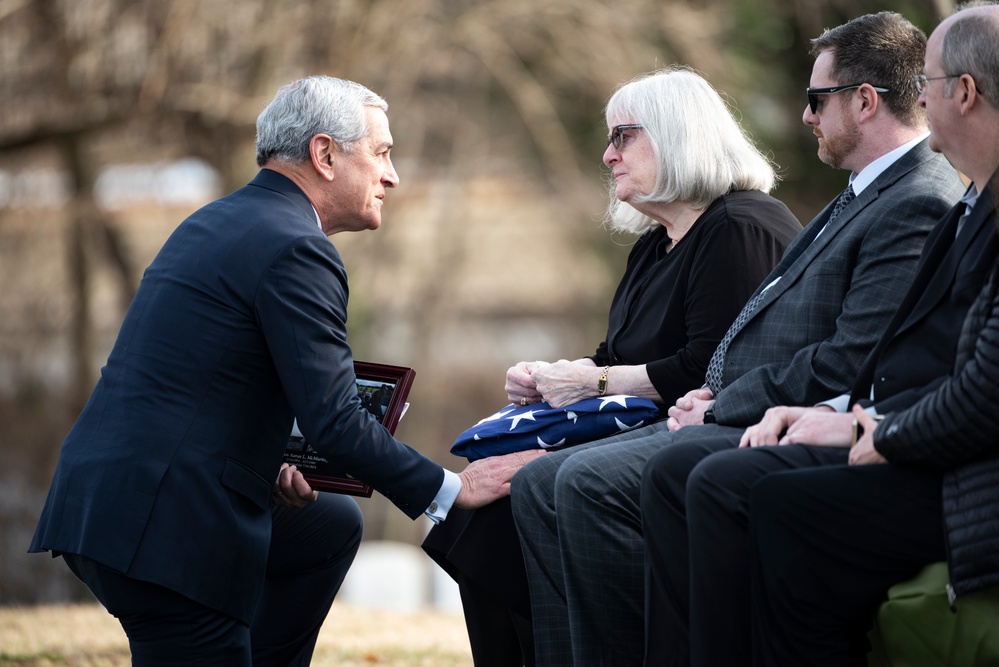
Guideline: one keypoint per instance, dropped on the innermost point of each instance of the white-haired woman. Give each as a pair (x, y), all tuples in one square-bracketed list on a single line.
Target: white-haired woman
[(694, 189)]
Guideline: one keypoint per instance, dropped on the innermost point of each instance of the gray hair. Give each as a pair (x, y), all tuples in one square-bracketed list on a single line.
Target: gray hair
[(971, 46), (310, 106), (701, 151)]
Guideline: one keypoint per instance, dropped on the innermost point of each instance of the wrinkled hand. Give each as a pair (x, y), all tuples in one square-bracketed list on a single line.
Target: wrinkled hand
[(291, 489), (863, 453), (520, 384), (785, 425), (689, 409), (487, 480), (566, 382)]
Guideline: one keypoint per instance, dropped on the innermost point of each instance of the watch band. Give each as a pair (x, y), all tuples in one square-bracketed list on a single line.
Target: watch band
[(709, 415), (602, 382)]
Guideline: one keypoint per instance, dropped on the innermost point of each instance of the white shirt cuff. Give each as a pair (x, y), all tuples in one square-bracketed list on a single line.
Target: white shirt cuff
[(840, 404), (444, 501)]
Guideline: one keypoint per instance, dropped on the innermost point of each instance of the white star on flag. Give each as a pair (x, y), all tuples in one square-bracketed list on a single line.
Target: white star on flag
[(620, 399), (626, 427), (515, 420), (498, 415), (541, 425), (544, 445)]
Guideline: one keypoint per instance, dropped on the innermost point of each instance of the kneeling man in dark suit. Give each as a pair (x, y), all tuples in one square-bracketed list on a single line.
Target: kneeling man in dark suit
[(170, 499)]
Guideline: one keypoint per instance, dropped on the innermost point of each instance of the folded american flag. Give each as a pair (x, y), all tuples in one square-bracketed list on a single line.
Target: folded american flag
[(516, 428)]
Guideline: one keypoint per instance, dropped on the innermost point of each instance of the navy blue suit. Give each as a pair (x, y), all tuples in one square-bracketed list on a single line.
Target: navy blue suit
[(237, 327)]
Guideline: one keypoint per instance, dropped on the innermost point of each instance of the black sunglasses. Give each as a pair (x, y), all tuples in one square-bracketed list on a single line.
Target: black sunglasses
[(617, 135), (813, 93)]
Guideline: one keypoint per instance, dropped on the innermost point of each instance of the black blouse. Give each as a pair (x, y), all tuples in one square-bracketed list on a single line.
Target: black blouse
[(671, 309)]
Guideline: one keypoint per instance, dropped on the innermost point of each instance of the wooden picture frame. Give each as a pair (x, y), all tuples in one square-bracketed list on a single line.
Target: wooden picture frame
[(382, 389)]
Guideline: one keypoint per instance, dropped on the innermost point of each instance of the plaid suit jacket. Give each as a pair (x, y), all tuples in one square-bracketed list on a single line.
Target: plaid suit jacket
[(808, 338)]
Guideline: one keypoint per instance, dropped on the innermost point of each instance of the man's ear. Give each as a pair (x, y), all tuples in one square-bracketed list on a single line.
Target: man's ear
[(869, 101), (966, 93), (323, 151)]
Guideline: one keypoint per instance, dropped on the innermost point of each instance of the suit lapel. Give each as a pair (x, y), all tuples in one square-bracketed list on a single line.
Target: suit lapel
[(800, 255), (930, 286), (819, 233), (905, 317)]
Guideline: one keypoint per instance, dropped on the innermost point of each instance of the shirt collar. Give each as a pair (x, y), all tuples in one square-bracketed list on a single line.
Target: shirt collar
[(970, 197), (877, 167)]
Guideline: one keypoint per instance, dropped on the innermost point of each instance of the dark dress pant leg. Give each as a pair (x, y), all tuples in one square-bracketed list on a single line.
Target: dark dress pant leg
[(164, 628), (311, 550), (577, 512), (667, 562), (532, 494), (718, 491), (827, 545), (498, 637), (480, 550), (598, 498)]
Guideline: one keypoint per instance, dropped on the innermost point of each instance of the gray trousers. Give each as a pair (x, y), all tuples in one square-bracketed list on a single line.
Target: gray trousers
[(579, 519)]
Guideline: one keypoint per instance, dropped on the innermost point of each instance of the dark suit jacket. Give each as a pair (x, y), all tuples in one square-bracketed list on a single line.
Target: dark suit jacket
[(918, 348), (238, 324), (953, 430), (813, 330)]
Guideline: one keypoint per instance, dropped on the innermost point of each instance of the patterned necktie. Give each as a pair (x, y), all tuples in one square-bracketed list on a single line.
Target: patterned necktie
[(844, 198), (713, 376)]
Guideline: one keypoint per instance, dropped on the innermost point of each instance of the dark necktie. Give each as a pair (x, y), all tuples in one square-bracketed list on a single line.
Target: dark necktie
[(716, 367), (844, 198)]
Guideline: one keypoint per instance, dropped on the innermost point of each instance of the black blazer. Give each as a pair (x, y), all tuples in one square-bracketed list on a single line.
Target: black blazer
[(237, 326), (953, 430), (918, 349)]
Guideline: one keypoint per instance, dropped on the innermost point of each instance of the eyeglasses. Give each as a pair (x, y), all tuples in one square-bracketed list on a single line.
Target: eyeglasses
[(617, 134), (813, 93), (919, 81)]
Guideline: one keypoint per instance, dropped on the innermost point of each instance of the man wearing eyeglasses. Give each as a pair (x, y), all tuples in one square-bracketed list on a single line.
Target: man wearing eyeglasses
[(802, 337), (923, 481), (823, 557)]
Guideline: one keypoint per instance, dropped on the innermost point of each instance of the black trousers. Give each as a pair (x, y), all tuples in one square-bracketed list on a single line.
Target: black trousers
[(695, 519), (827, 544), (480, 550), (311, 550)]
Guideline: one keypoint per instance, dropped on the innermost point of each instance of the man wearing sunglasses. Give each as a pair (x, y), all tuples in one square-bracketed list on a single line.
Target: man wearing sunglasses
[(805, 331), (699, 496), (923, 480)]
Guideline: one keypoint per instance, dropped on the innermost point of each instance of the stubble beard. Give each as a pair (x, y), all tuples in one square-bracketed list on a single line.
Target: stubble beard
[(835, 151)]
